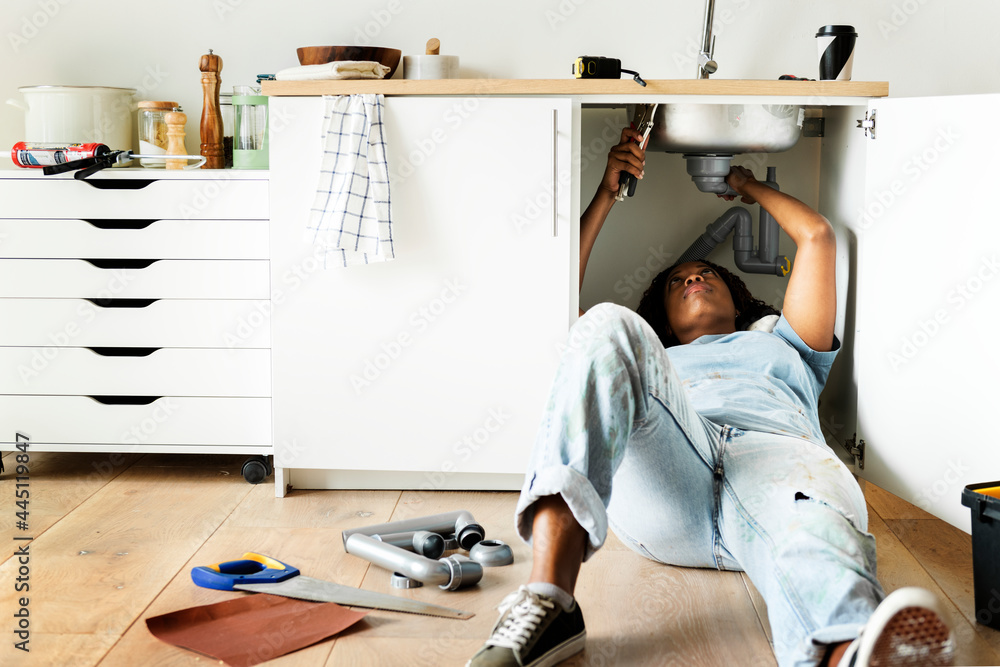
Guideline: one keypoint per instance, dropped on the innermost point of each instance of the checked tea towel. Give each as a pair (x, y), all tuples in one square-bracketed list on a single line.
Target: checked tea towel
[(350, 220)]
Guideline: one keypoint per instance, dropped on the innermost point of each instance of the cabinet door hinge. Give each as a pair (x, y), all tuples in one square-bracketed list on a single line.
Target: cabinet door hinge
[(856, 448), (868, 123)]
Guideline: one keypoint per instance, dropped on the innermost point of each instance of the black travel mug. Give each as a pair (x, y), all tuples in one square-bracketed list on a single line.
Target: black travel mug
[(836, 51)]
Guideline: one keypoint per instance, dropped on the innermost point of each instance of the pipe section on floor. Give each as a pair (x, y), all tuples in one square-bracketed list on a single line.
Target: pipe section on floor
[(461, 523), (449, 573)]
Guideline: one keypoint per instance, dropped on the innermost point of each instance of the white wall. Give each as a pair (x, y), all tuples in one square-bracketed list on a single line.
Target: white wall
[(922, 47)]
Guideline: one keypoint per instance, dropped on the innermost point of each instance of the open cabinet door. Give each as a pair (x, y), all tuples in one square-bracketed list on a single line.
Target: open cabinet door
[(928, 301)]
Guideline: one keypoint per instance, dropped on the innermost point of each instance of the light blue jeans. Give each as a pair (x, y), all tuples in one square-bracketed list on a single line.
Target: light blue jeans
[(623, 446)]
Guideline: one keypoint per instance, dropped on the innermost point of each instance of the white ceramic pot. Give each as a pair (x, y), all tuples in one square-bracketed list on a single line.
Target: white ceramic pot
[(78, 114), (430, 67)]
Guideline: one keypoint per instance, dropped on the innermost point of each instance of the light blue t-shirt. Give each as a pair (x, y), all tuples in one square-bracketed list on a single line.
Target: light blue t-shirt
[(756, 381)]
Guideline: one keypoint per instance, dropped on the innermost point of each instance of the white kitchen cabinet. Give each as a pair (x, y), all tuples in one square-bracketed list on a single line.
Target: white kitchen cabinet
[(430, 370), (133, 312)]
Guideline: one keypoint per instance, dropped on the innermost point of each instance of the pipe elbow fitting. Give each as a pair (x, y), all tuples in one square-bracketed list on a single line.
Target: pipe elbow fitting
[(462, 572)]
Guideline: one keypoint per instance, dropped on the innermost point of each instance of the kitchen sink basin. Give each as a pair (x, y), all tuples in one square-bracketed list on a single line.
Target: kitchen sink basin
[(718, 129)]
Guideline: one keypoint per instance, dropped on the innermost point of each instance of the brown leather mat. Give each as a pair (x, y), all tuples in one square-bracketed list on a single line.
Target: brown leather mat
[(253, 628)]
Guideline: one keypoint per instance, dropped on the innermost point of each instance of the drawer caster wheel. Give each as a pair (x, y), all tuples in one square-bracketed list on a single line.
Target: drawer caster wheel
[(256, 469)]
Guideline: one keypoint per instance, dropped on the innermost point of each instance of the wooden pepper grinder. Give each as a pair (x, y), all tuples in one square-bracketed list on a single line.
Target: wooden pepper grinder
[(211, 116), (175, 121)]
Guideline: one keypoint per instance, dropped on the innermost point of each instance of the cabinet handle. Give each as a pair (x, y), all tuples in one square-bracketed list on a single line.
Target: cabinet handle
[(555, 172), (117, 183), (120, 224), (123, 351), (120, 263), (122, 303), (124, 400)]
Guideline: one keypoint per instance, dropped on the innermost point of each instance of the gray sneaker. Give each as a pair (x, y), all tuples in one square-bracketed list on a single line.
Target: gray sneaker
[(532, 631)]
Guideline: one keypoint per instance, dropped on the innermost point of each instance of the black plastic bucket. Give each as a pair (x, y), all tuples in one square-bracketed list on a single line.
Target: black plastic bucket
[(984, 500)]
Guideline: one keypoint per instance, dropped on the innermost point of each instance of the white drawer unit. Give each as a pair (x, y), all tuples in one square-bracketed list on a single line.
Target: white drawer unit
[(134, 312)]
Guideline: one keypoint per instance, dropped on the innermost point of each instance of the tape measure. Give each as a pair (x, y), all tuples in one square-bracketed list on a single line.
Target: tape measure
[(599, 67)]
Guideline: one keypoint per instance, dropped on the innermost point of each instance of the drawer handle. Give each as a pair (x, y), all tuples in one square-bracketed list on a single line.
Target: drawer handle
[(120, 224), (117, 183), (122, 303), (120, 263), (123, 351), (125, 400)]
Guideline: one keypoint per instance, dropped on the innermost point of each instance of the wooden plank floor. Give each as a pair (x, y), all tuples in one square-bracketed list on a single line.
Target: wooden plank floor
[(116, 537)]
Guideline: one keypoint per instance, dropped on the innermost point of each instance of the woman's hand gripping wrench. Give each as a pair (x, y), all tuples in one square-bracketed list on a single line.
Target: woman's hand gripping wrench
[(643, 124)]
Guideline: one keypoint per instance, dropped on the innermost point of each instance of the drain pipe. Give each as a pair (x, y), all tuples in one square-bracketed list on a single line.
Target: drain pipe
[(766, 259), (716, 232), (460, 523), (449, 573)]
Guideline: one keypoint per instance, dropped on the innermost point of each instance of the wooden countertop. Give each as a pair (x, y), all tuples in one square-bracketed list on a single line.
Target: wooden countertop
[(579, 87)]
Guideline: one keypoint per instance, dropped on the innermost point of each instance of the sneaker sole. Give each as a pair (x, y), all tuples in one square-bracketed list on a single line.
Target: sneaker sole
[(568, 648), (913, 635)]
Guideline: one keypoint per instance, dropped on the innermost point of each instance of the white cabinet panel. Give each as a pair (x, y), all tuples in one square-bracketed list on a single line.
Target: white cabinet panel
[(113, 323), (440, 360), (156, 239), (928, 288), (167, 279), (171, 420)]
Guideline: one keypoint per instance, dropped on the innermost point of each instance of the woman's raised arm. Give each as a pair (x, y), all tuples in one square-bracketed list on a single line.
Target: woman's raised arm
[(810, 304), (628, 156)]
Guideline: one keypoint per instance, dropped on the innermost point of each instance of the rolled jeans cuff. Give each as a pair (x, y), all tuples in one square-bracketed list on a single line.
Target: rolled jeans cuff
[(815, 645), (579, 495)]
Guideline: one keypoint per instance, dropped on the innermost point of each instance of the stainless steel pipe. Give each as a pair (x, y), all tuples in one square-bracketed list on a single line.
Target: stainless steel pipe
[(460, 523), (423, 542), (449, 573)]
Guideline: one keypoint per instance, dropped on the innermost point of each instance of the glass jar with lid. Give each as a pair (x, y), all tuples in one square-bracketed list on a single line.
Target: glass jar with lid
[(153, 131)]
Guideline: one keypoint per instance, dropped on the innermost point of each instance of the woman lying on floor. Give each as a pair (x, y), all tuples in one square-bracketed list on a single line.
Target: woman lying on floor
[(699, 444)]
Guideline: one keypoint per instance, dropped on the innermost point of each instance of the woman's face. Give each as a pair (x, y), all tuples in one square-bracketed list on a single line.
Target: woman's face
[(698, 302)]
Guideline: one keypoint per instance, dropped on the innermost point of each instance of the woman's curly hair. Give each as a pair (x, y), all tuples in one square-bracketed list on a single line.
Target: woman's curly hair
[(652, 308)]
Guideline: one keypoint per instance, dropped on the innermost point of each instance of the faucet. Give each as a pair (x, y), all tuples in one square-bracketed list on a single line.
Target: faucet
[(706, 65)]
